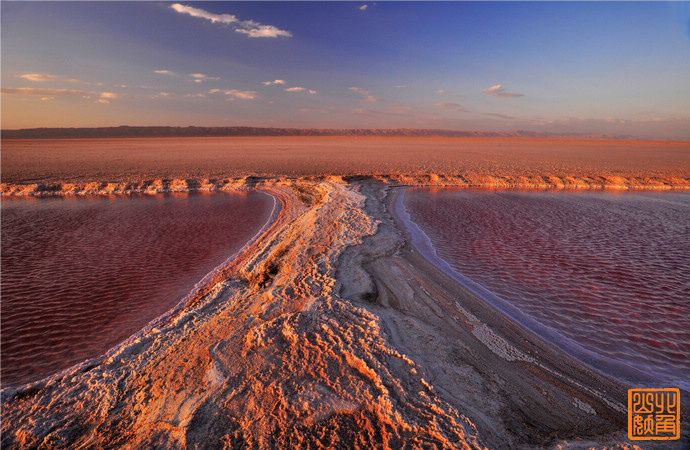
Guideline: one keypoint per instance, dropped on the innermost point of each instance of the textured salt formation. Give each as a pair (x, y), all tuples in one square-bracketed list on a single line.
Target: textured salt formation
[(271, 357), (468, 181), (330, 331)]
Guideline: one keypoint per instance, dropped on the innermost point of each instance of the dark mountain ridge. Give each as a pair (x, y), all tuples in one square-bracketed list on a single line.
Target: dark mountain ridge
[(192, 131)]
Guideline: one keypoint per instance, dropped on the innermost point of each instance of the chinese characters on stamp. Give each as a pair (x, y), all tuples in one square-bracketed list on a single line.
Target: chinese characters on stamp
[(653, 414)]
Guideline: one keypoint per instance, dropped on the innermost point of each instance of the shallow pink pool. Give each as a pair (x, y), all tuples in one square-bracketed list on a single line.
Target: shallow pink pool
[(80, 275), (606, 275)]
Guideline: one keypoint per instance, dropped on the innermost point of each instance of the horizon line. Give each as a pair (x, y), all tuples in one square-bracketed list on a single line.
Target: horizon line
[(123, 131)]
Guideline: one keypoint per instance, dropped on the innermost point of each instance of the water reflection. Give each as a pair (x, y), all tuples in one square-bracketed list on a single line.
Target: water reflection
[(81, 274), (606, 270)]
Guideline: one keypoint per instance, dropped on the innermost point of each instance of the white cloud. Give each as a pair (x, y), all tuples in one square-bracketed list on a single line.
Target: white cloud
[(248, 27), (253, 29), (296, 89), (245, 95), (200, 77), (300, 89), (441, 92), (371, 99), (51, 94), (197, 77), (270, 83), (499, 91), (200, 13), (234, 93), (363, 7), (38, 77)]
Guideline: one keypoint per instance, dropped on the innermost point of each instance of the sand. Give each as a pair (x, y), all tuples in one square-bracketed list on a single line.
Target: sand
[(330, 329), (483, 161)]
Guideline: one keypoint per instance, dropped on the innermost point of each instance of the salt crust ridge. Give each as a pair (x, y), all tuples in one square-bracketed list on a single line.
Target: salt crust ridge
[(479, 181)]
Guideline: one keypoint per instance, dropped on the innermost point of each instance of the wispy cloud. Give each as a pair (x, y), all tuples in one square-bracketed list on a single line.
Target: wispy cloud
[(248, 27), (300, 89), (363, 7), (271, 83), (38, 77), (499, 91), (378, 112), (451, 106), (196, 77), (368, 98), (500, 116), (361, 91), (256, 30), (446, 93), (37, 92), (234, 93), (200, 77), (200, 13), (51, 94)]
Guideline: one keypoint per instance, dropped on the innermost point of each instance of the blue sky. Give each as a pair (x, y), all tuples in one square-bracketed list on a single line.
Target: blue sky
[(621, 67)]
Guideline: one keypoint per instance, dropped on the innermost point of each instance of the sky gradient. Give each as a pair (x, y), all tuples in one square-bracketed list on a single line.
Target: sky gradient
[(621, 67)]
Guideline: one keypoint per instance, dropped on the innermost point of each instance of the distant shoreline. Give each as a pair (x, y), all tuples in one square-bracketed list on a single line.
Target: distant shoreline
[(193, 131)]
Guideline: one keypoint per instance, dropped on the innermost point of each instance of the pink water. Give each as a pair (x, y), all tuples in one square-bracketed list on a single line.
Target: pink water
[(605, 275), (80, 275)]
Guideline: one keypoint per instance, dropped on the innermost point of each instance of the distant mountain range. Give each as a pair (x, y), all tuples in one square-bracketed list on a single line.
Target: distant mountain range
[(133, 132)]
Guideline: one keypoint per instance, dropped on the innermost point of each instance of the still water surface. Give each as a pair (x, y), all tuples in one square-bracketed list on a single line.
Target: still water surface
[(80, 275), (604, 274)]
